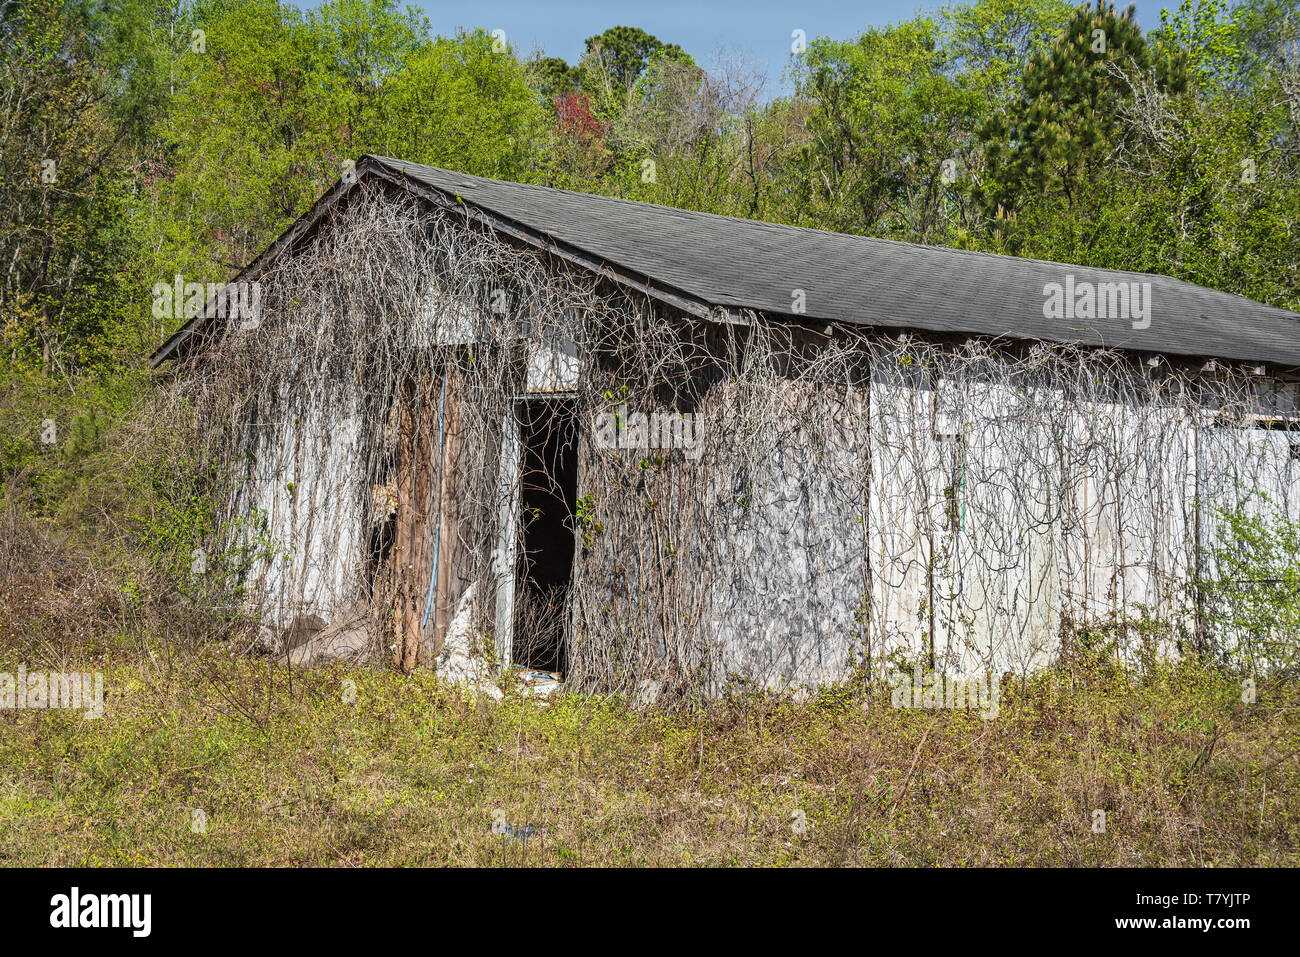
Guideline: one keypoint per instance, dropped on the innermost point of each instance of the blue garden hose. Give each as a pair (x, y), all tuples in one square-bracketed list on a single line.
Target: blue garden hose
[(437, 528)]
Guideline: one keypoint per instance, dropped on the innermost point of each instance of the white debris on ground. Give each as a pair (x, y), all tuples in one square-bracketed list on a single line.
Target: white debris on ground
[(350, 638), (537, 684), (310, 640), (458, 663), (647, 693)]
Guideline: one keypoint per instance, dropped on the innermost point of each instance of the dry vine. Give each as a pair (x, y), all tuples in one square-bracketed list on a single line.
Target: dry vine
[(859, 496)]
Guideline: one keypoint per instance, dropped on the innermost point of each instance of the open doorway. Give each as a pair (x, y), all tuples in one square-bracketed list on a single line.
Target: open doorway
[(548, 434)]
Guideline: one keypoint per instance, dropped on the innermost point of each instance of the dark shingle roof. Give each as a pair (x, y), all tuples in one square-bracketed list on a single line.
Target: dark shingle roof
[(720, 261), (747, 264)]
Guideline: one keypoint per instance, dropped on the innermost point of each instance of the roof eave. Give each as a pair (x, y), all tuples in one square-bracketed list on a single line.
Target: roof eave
[(452, 202)]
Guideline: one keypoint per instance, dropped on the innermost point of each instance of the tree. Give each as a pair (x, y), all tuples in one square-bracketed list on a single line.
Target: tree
[(1191, 178), (625, 53), (71, 111), (989, 41), (275, 105), (458, 103), (613, 63), (1054, 140), (889, 134), (579, 155), (552, 76)]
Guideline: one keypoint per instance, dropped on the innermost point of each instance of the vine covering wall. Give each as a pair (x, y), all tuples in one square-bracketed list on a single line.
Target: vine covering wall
[(845, 498)]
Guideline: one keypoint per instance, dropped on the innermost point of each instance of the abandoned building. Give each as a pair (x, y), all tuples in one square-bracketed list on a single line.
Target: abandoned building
[(503, 424)]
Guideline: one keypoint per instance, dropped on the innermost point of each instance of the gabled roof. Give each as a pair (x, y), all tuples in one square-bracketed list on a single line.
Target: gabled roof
[(704, 263)]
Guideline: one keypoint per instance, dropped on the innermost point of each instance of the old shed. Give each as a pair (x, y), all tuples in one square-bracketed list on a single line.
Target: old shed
[(490, 424)]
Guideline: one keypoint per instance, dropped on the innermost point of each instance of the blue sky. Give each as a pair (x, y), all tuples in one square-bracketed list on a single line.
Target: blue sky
[(758, 28)]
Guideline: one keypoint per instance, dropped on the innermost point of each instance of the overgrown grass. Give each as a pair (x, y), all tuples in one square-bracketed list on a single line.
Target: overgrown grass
[(95, 537), (288, 772)]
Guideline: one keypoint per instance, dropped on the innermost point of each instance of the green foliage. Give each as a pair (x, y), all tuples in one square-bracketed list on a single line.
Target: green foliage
[(278, 102), (618, 57), (185, 140), (552, 76), (459, 104), (288, 769), (1210, 38), (1054, 140), (990, 40), (71, 115), (1253, 597), (1177, 157), (889, 128), (585, 513)]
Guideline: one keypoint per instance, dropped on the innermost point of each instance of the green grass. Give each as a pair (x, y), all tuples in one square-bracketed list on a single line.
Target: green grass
[(411, 773)]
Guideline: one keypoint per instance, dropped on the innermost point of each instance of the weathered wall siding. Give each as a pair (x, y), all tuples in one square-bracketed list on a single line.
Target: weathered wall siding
[(552, 356), (416, 481), (454, 530), (787, 579), (901, 501), (312, 533), (746, 563), (975, 516), (982, 541), (1240, 467), (1094, 513), (961, 520), (1249, 464), (438, 458), (1126, 533), (1156, 553), (997, 583), (641, 577)]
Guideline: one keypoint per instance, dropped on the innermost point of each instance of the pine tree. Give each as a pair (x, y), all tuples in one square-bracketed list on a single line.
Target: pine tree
[(1054, 141)]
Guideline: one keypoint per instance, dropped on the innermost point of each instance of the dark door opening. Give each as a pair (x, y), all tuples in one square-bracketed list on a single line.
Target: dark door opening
[(548, 500)]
